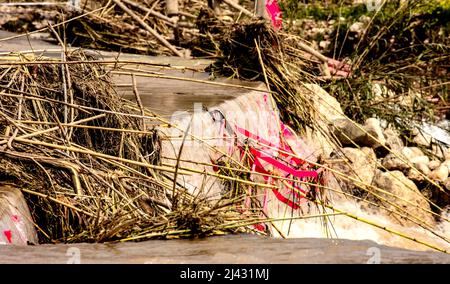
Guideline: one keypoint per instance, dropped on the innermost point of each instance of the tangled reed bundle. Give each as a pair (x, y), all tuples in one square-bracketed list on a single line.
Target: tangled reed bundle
[(89, 170)]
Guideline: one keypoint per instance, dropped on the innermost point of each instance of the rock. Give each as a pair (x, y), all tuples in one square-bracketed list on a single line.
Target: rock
[(411, 152), (420, 160), (434, 164), (447, 154), (409, 197), (360, 164), (392, 162), (373, 127), (393, 140), (438, 152), (402, 161), (414, 173), (447, 164), (357, 27), (349, 133), (327, 109), (422, 139), (447, 184), (381, 92), (439, 174), (324, 44)]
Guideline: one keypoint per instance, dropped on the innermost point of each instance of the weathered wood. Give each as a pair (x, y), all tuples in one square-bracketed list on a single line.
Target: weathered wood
[(260, 7)]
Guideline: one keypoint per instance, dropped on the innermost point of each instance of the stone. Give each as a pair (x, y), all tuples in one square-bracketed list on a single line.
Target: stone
[(420, 160), (326, 107), (439, 174), (405, 195), (393, 140), (447, 164), (437, 151), (350, 133), (434, 164), (373, 127), (411, 152), (422, 139), (414, 174), (357, 27), (359, 164), (447, 184), (447, 154), (392, 162), (381, 92), (324, 44)]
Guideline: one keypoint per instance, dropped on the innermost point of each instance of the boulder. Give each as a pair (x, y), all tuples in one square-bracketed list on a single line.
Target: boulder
[(405, 195), (359, 164)]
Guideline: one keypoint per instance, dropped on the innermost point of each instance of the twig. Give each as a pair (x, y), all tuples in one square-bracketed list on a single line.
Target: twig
[(148, 28), (239, 8), (138, 100)]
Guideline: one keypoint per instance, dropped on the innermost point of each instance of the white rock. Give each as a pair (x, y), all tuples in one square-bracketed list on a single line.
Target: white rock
[(393, 162), (447, 154), (412, 201), (420, 160), (447, 164), (393, 140), (439, 174), (434, 164), (415, 173), (357, 27), (437, 151), (411, 152), (360, 164), (422, 139), (373, 127)]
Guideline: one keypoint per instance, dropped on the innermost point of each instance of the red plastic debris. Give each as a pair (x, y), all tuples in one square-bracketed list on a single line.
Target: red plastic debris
[(8, 235), (275, 13)]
